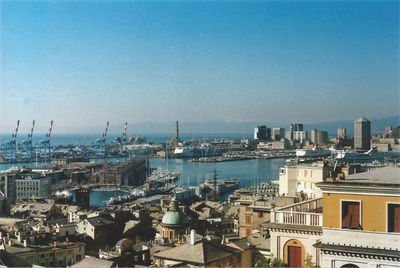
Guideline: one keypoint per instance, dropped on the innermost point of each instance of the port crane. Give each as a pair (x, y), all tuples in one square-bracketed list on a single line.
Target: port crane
[(121, 141), (27, 148), (10, 147), (101, 143), (45, 144)]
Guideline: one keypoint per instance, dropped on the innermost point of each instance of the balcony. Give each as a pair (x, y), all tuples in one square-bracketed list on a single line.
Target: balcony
[(304, 213)]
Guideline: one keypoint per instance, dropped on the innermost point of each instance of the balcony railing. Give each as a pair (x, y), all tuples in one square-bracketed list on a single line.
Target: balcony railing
[(301, 213)]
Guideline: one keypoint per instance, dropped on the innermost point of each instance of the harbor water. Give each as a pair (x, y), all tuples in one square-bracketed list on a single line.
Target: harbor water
[(249, 172)]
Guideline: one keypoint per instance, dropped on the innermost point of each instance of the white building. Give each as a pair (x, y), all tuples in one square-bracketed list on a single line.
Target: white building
[(294, 230), (300, 136), (297, 178)]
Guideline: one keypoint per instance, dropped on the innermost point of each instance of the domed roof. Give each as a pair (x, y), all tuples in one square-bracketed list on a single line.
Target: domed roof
[(174, 217)]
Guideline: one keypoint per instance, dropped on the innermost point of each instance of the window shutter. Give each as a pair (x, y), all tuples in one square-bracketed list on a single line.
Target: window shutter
[(345, 215), (355, 213), (396, 218)]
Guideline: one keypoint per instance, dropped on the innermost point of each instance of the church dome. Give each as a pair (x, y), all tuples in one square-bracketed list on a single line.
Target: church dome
[(174, 216)]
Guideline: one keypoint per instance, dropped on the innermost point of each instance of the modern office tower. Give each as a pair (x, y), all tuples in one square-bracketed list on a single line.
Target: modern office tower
[(268, 134), (300, 136), (341, 132), (260, 133), (294, 127), (278, 133), (322, 137), (362, 134), (314, 134)]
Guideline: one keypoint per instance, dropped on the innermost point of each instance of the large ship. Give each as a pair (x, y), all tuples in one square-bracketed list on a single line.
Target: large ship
[(193, 151), (160, 177), (314, 152), (223, 186), (368, 156)]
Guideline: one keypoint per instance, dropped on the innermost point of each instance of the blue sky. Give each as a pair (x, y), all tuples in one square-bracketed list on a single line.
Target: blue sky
[(82, 63)]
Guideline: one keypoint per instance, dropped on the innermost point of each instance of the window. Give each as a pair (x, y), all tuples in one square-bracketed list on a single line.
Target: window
[(351, 215), (248, 219), (260, 215), (393, 218), (248, 231)]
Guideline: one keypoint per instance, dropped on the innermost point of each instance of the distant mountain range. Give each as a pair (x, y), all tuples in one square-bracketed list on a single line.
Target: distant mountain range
[(227, 127), (222, 127)]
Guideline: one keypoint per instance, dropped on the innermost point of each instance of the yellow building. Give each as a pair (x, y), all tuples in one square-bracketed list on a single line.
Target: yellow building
[(361, 220)]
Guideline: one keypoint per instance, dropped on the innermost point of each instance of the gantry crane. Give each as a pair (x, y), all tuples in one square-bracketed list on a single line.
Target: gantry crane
[(45, 144), (27, 148), (121, 141), (101, 143), (11, 147)]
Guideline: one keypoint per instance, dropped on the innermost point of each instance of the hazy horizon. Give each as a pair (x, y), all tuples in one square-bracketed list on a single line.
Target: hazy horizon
[(213, 127)]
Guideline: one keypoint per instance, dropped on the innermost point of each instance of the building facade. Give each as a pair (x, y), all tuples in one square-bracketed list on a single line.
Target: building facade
[(261, 133), (32, 185), (294, 229), (278, 134), (341, 133), (361, 215), (314, 134), (59, 254), (123, 174), (300, 136), (297, 178), (7, 186), (322, 137)]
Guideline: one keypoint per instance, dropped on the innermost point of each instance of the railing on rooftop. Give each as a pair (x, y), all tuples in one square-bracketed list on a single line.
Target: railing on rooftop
[(302, 213)]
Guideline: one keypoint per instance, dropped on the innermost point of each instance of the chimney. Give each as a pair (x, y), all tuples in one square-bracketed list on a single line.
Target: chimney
[(10, 243), (25, 243), (192, 237), (55, 244)]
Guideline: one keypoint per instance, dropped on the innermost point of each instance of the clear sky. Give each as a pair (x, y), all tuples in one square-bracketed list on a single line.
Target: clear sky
[(82, 63)]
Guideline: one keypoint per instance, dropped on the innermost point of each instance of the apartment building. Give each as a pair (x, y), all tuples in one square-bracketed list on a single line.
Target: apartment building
[(361, 226)]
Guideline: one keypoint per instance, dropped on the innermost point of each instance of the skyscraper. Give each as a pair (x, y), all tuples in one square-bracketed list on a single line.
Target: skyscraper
[(278, 133), (362, 134), (341, 132), (322, 137), (293, 128), (314, 134), (261, 133)]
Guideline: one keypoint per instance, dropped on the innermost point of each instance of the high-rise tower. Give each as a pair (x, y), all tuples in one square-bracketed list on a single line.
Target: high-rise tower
[(362, 134)]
